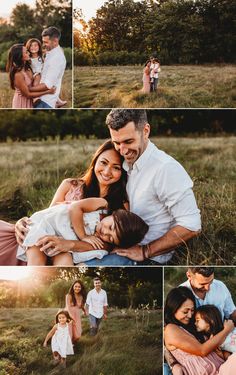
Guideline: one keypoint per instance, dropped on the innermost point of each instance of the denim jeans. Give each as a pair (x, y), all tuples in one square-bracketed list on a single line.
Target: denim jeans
[(41, 104), (94, 322), (110, 260), (167, 370)]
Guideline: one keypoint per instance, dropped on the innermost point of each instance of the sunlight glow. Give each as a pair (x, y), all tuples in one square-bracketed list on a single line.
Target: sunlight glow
[(15, 272)]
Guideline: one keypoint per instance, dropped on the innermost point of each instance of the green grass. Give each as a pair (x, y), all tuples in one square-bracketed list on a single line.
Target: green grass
[(129, 342), (31, 171), (180, 86), (7, 93)]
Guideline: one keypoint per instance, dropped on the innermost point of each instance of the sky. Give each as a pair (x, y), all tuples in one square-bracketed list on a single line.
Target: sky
[(7, 6), (14, 272)]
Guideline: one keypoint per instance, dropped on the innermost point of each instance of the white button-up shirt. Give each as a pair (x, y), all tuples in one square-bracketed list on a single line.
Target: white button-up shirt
[(160, 192), (96, 301), (52, 73), (218, 295)]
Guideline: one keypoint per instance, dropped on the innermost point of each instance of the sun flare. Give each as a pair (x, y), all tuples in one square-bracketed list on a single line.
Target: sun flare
[(15, 273)]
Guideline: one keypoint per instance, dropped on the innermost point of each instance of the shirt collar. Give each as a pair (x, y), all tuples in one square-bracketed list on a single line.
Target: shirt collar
[(54, 50), (141, 161)]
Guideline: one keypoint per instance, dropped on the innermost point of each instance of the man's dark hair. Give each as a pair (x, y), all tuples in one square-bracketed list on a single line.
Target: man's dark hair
[(96, 279), (204, 271), (119, 118), (52, 32)]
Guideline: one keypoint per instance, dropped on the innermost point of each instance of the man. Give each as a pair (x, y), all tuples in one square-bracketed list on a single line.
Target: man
[(207, 290), (53, 68), (96, 304), (158, 187)]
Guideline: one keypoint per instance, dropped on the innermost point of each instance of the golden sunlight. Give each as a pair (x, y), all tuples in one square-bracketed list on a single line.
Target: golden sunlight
[(15, 272)]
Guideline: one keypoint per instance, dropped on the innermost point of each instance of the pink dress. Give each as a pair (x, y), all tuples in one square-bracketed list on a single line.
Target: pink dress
[(75, 314), (146, 80), (8, 244), (19, 100), (211, 364)]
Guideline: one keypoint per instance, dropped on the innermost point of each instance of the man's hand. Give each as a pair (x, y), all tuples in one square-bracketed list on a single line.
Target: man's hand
[(21, 229), (96, 242), (134, 253), (55, 244)]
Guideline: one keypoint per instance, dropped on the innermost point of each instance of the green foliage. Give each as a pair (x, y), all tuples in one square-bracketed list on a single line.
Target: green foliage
[(183, 32), (68, 56)]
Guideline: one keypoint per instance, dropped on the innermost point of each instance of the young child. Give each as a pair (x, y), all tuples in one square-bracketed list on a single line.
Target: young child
[(83, 220), (34, 46), (208, 321), (61, 338)]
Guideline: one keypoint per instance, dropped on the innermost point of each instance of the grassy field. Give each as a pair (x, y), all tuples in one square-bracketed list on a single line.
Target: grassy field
[(129, 342), (7, 93), (180, 86), (30, 173)]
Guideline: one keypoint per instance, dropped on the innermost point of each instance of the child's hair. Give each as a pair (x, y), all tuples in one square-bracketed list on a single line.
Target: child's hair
[(82, 292), (64, 312), (130, 228), (30, 42), (212, 316)]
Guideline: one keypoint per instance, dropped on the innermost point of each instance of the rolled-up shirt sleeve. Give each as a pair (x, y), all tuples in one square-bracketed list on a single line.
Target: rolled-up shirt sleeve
[(174, 189)]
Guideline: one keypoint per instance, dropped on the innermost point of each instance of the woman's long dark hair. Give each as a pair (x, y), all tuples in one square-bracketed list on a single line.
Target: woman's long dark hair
[(15, 62), (211, 314), (175, 298), (34, 40), (82, 292), (116, 195)]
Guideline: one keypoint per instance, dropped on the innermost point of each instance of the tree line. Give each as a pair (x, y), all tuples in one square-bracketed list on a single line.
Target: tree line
[(126, 287), (27, 22), (39, 125), (176, 31)]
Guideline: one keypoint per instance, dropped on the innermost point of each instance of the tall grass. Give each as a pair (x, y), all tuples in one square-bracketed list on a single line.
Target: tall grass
[(7, 93), (180, 86), (121, 347), (30, 172)]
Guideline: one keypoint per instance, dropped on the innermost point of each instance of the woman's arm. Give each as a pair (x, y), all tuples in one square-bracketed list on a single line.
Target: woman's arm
[(19, 82), (68, 301), (49, 335), (176, 337), (61, 192), (77, 209)]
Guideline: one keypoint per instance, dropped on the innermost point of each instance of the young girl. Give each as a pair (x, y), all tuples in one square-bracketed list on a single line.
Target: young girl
[(34, 46), (208, 321), (85, 220), (61, 339)]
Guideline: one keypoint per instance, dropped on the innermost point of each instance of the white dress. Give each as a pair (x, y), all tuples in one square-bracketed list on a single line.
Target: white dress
[(36, 65), (61, 341), (55, 221)]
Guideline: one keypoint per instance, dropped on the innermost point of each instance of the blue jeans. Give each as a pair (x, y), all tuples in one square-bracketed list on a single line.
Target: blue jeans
[(41, 104), (94, 322), (167, 370), (110, 260)]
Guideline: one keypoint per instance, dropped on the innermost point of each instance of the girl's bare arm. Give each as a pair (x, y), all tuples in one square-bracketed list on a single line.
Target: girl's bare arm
[(49, 335)]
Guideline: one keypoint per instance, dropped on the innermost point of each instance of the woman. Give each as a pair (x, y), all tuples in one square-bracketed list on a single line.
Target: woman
[(146, 78), (21, 78), (75, 303), (181, 338), (104, 178)]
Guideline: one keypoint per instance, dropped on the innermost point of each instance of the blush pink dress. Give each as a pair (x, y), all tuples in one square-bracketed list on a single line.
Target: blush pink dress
[(8, 244), (146, 80), (19, 100), (211, 364), (75, 314)]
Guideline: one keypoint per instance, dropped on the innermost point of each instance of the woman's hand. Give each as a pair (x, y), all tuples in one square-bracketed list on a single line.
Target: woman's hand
[(21, 229), (54, 244), (228, 325), (96, 242), (177, 369)]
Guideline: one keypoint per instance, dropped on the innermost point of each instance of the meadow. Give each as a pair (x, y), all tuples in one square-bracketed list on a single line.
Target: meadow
[(7, 93), (180, 86), (30, 172), (127, 343)]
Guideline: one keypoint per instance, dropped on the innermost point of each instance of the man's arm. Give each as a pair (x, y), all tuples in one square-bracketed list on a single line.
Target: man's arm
[(174, 237)]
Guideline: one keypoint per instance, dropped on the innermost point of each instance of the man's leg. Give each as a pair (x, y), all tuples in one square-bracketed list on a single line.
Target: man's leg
[(93, 325), (155, 84), (41, 104), (110, 260)]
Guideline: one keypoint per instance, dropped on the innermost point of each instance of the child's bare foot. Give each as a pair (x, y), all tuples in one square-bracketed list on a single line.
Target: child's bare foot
[(60, 103)]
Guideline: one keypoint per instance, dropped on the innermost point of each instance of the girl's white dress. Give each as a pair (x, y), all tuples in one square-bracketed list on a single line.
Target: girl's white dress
[(36, 65), (61, 341), (55, 221)]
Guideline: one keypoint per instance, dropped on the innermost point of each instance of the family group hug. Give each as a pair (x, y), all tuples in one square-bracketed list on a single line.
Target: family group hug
[(150, 75), (36, 70), (200, 333), (133, 205), (68, 329)]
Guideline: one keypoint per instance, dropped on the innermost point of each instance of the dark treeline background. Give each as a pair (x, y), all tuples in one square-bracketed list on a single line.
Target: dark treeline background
[(177, 31), (37, 125), (47, 287), (26, 22)]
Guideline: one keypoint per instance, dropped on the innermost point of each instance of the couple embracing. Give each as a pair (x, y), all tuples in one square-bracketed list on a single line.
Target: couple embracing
[(36, 78), (150, 75), (134, 204)]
